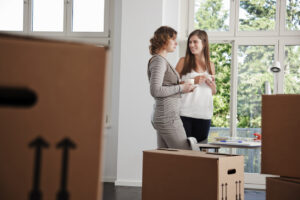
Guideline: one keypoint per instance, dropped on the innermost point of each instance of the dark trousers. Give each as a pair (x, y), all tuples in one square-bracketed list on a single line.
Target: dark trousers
[(198, 128)]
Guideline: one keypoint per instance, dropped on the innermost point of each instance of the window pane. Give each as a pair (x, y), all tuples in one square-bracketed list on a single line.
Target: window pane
[(11, 15), (253, 65), (257, 15), (293, 14), (220, 55), (88, 15), (292, 70), (212, 15), (48, 15)]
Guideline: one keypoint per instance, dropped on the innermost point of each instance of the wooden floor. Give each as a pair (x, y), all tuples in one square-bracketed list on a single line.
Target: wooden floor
[(110, 192)]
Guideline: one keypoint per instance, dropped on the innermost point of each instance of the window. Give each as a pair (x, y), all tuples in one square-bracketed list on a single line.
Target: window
[(47, 15), (292, 69), (82, 19), (212, 15), (257, 15), (253, 63), (88, 16), (292, 20), (221, 57), (253, 71), (12, 10), (246, 37)]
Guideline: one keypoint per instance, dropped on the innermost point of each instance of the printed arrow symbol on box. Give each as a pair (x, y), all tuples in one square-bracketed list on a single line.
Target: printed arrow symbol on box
[(37, 143), (65, 144)]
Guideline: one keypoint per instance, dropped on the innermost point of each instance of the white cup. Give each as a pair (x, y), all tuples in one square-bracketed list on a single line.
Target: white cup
[(191, 80), (208, 76)]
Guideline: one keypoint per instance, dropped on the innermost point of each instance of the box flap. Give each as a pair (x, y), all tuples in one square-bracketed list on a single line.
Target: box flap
[(20, 38), (191, 153)]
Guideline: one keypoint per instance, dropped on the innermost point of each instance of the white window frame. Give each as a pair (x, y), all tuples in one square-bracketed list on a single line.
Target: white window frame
[(98, 38)]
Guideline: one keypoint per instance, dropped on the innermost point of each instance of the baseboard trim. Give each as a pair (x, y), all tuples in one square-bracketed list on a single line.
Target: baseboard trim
[(128, 183), (255, 186), (108, 179)]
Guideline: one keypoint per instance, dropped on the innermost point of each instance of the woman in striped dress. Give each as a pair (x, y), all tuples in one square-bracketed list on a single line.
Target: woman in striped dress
[(166, 90)]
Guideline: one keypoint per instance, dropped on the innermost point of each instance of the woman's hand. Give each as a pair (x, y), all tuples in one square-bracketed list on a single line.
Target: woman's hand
[(199, 79), (187, 87), (212, 85)]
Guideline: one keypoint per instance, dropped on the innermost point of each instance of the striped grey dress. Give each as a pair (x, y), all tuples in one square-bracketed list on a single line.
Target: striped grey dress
[(165, 88)]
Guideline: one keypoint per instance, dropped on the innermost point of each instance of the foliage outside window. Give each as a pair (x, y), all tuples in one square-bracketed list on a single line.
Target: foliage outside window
[(293, 14), (253, 66), (212, 15), (221, 57), (257, 15), (292, 69)]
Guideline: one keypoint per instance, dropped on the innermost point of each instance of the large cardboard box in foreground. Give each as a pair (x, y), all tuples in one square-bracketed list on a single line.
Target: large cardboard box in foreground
[(282, 188), (281, 135), (192, 175), (50, 148)]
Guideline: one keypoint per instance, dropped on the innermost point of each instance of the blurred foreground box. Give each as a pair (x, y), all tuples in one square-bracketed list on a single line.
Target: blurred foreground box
[(281, 135), (192, 175), (51, 119), (280, 188)]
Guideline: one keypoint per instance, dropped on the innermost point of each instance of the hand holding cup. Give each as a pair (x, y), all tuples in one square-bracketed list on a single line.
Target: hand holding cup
[(191, 81), (200, 79), (188, 87)]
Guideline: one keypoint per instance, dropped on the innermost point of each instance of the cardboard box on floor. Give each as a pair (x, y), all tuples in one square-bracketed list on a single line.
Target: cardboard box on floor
[(192, 175), (65, 82), (280, 135), (280, 188)]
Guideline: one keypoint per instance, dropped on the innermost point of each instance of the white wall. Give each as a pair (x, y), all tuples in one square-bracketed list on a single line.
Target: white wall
[(171, 17), (131, 132), (135, 131)]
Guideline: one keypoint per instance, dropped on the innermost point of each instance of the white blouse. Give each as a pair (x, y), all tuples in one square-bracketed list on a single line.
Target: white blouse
[(199, 103)]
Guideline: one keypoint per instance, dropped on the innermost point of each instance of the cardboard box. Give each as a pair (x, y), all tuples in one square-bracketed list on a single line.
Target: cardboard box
[(281, 135), (50, 148), (282, 188), (192, 175)]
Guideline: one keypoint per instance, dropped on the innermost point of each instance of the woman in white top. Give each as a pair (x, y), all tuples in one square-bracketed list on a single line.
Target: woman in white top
[(197, 107)]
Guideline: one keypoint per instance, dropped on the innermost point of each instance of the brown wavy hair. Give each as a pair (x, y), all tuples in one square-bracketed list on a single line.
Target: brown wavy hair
[(161, 38), (190, 60)]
